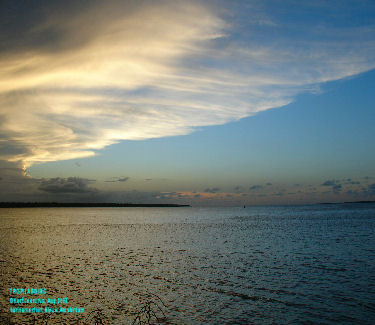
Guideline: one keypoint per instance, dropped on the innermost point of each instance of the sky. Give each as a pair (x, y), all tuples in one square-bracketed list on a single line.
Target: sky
[(208, 103)]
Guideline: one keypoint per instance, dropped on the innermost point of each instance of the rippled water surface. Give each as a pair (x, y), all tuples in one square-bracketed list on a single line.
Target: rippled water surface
[(256, 265)]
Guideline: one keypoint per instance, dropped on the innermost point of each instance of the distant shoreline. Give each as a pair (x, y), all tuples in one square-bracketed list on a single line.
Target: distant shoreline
[(86, 205), (349, 202)]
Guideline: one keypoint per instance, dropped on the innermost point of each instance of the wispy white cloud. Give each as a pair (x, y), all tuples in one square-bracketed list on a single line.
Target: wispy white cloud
[(77, 81)]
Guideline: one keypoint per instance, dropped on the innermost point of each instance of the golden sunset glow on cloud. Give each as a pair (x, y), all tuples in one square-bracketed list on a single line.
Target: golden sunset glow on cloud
[(80, 80)]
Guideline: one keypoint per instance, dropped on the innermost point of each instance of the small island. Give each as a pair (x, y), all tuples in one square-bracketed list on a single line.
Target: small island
[(87, 205)]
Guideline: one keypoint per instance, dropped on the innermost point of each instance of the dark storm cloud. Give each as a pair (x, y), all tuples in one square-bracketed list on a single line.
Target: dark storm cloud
[(67, 185), (212, 190), (12, 171), (15, 185), (10, 148), (256, 187)]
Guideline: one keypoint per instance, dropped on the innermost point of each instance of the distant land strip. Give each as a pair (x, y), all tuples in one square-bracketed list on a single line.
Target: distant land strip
[(85, 205), (354, 202)]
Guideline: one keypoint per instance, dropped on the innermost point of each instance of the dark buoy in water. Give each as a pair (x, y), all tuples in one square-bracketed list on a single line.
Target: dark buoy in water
[(244, 206)]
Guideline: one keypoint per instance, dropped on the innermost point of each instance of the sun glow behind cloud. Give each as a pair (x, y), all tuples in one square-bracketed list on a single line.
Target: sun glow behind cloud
[(80, 80)]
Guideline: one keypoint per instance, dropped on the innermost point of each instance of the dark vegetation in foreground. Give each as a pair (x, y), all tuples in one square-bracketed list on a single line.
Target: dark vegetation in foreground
[(86, 205)]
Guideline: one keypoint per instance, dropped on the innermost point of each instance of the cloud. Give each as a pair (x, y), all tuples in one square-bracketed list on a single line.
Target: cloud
[(256, 187), (370, 190), (16, 185), (212, 190), (79, 76), (329, 183), (336, 186), (14, 181), (67, 185), (353, 193), (238, 189), (116, 179)]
